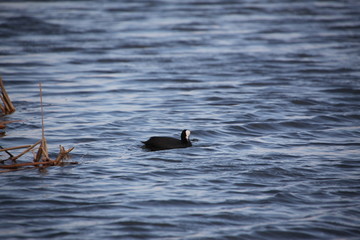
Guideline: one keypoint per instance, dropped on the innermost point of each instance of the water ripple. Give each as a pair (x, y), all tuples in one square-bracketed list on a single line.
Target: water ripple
[(268, 89)]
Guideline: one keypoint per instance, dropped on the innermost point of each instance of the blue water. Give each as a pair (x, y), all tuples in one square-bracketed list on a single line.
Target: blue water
[(269, 89)]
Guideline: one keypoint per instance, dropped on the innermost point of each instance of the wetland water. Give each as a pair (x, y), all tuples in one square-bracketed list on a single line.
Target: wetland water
[(269, 89)]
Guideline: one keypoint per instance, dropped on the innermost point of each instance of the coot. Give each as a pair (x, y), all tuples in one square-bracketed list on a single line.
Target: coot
[(162, 143)]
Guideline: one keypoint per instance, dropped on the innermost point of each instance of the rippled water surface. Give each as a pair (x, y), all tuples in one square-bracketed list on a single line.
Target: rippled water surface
[(269, 89)]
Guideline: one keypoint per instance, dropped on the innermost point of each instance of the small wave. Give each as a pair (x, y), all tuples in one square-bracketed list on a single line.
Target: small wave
[(140, 225), (304, 102), (25, 24), (336, 143), (241, 146), (169, 203), (298, 124), (273, 172), (242, 130), (287, 197), (270, 232), (260, 127)]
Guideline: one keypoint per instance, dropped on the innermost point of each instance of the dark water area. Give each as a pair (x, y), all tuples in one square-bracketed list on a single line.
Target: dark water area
[(269, 89)]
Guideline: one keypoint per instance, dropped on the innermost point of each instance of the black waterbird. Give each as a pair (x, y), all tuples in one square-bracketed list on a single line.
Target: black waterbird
[(162, 143)]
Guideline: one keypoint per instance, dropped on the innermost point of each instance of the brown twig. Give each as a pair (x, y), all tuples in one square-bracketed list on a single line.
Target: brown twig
[(34, 165), (42, 113), (8, 107), (42, 153), (27, 164), (13, 148), (27, 150), (62, 154), (46, 163)]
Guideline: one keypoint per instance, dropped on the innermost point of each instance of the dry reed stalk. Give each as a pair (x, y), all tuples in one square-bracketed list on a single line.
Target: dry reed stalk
[(42, 113), (2, 109), (41, 157), (7, 107), (62, 154), (27, 150), (4, 106), (42, 154), (13, 148), (50, 162), (44, 160)]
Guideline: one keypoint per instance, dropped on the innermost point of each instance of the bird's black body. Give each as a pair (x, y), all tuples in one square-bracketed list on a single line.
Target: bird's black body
[(162, 143)]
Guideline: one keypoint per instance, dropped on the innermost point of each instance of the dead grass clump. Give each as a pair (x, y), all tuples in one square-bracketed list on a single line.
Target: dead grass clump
[(41, 157)]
